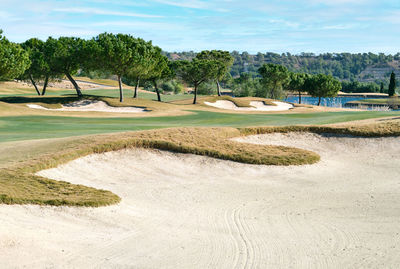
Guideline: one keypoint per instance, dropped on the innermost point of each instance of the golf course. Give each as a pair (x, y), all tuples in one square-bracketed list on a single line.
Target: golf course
[(200, 134), (193, 183)]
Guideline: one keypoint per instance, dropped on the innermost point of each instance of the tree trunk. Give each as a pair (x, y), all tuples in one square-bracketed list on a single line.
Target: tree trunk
[(121, 91), (34, 84), (78, 90), (157, 91), (319, 100), (274, 91), (46, 81), (135, 94), (218, 89), (195, 94), (299, 97)]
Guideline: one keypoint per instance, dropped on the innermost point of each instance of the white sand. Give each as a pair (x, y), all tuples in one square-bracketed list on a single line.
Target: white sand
[(187, 211), (91, 105), (255, 106)]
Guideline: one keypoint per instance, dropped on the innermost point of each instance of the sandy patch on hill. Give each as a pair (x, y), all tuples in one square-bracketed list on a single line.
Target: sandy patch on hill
[(91, 105), (187, 211), (255, 106)]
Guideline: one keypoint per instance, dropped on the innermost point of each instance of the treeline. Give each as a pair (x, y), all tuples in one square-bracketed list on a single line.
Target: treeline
[(275, 81), (137, 61), (121, 55), (344, 66)]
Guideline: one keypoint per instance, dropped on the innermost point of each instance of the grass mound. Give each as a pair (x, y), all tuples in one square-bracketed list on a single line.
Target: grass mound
[(391, 128), (54, 102), (20, 185)]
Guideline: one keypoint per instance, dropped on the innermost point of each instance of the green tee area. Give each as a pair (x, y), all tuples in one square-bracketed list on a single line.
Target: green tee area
[(95, 92), (380, 101), (14, 128)]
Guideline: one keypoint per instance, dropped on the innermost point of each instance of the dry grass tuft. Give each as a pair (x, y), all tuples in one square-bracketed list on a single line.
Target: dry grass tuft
[(20, 185), (378, 129)]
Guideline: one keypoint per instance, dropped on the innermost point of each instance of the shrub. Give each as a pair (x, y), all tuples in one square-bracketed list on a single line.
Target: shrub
[(208, 88)]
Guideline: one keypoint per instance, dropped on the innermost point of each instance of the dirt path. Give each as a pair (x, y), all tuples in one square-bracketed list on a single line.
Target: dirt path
[(187, 211)]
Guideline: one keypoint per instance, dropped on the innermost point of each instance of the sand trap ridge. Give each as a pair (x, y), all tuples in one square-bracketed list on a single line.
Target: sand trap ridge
[(197, 212), (91, 105), (255, 106)]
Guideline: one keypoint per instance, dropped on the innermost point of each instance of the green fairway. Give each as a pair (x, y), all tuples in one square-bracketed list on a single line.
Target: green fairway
[(128, 93), (15, 128)]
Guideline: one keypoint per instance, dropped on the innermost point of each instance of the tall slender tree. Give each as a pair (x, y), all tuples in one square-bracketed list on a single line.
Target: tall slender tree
[(382, 90), (392, 84), (225, 59)]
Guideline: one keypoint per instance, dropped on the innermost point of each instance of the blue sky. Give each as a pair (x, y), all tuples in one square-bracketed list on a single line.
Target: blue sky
[(253, 25)]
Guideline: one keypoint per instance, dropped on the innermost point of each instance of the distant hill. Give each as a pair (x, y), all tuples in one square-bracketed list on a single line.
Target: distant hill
[(364, 67)]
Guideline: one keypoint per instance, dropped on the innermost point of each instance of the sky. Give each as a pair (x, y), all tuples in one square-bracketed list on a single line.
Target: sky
[(280, 26)]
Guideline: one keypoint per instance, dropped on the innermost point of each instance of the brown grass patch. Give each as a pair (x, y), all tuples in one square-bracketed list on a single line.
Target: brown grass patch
[(20, 185), (377, 129)]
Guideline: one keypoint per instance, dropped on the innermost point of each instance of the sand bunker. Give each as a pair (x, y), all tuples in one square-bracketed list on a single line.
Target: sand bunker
[(197, 212), (255, 106), (91, 105)]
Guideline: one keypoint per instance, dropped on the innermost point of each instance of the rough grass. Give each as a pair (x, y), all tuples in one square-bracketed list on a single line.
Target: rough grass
[(54, 102), (391, 128), (20, 185), (381, 101), (106, 82)]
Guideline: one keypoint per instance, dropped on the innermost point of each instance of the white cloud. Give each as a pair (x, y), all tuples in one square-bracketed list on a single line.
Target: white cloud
[(133, 25), (341, 2), (187, 4), (338, 27), (96, 11), (285, 23)]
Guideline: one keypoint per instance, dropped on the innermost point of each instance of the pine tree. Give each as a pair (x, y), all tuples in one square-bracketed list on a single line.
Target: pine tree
[(392, 84)]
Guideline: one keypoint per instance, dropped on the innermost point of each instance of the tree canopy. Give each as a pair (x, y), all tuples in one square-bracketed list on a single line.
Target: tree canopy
[(225, 60), (160, 70), (39, 68), (14, 60), (121, 54), (296, 83), (197, 71), (322, 86), (65, 55), (274, 78)]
